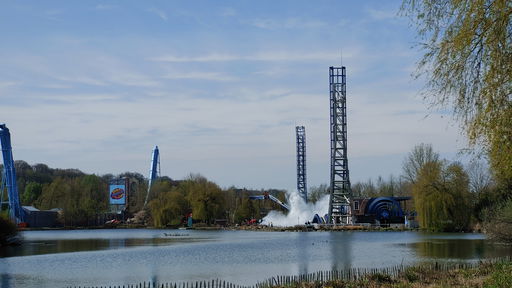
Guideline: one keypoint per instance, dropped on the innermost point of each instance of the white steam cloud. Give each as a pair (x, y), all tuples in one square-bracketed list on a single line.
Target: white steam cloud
[(300, 212)]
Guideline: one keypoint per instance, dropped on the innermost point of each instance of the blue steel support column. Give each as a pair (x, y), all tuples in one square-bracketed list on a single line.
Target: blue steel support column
[(9, 176), (339, 205), (154, 171), (301, 163)]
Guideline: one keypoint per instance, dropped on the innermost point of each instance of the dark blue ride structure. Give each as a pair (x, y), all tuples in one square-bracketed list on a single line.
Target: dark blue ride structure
[(380, 210), (384, 208), (9, 178)]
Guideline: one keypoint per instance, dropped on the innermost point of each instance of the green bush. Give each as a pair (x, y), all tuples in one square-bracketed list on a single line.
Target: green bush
[(500, 225), (501, 277), (7, 229), (411, 274)]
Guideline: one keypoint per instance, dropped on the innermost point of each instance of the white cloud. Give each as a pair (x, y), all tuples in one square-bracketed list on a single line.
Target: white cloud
[(160, 13), (111, 102), (105, 7), (267, 56), (79, 98), (56, 86), (228, 12), (289, 23), (81, 80), (381, 14), (8, 84), (206, 58), (53, 14), (201, 75)]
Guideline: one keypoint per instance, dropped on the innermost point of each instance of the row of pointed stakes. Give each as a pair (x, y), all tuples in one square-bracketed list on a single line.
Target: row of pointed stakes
[(349, 274)]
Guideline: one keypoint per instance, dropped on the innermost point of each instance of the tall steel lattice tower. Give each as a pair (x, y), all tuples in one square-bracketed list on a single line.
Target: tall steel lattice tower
[(339, 206), (301, 162)]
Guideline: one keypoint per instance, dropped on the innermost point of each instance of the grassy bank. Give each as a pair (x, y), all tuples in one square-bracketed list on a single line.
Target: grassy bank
[(497, 273), (490, 273)]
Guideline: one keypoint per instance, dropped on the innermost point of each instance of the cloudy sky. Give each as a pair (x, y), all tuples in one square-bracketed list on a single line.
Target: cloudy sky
[(219, 86)]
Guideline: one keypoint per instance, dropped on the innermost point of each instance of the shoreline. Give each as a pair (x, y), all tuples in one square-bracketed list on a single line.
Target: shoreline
[(261, 228)]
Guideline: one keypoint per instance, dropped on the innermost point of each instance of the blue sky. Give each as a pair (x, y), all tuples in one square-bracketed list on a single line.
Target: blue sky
[(219, 86)]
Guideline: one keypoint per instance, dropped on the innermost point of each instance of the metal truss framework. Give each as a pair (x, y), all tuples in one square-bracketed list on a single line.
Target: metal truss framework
[(339, 205), (301, 162)]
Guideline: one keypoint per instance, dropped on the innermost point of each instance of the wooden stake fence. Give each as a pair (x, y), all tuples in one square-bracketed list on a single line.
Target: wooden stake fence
[(352, 274)]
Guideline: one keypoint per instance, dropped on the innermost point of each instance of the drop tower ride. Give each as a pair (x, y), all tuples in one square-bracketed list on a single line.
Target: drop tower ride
[(340, 194)]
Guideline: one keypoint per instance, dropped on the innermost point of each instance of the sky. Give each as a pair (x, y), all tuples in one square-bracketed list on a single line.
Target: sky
[(219, 86)]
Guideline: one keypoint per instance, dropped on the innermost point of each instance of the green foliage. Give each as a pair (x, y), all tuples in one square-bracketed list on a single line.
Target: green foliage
[(80, 198), (499, 225), (169, 207), (171, 203), (56, 194), (457, 185), (206, 198), (467, 59), (441, 197), (501, 276), (246, 211), (32, 191), (7, 228), (411, 274)]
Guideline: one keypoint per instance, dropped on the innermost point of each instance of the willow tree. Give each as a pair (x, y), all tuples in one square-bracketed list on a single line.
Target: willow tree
[(169, 207), (205, 197), (430, 198), (467, 60), (442, 197)]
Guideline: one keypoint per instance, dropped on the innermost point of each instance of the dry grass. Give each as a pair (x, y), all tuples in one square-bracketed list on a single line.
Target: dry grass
[(486, 275)]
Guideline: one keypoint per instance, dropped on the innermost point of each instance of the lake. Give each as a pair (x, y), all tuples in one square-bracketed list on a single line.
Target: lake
[(130, 256)]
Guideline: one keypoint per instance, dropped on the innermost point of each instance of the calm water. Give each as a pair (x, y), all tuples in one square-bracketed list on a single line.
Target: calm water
[(116, 257)]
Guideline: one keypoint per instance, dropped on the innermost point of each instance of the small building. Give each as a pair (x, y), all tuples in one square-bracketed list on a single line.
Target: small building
[(41, 218)]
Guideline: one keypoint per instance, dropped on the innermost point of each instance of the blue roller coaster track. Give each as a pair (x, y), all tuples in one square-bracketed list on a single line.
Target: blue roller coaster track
[(154, 171), (9, 178)]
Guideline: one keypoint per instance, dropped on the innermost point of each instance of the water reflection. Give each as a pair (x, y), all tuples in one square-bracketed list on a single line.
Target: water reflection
[(4, 280), (79, 245), (304, 244), (341, 250), (240, 257), (460, 249)]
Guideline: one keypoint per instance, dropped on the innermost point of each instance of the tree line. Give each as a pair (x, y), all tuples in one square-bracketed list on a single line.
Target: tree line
[(447, 196), (84, 198)]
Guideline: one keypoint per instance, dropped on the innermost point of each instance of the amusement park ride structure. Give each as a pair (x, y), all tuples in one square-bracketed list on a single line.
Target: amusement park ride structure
[(340, 211), (16, 213), (301, 163), (343, 208), (154, 171)]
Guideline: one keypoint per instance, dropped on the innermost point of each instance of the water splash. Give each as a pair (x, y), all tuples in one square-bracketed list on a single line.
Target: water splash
[(300, 212)]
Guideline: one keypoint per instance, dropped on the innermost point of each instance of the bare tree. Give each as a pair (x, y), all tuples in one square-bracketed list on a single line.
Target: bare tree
[(479, 176), (416, 159)]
